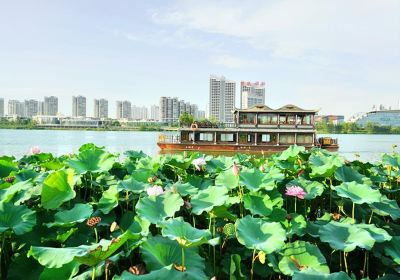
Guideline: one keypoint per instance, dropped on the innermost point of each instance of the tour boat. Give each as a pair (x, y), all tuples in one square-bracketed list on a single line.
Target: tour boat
[(256, 129)]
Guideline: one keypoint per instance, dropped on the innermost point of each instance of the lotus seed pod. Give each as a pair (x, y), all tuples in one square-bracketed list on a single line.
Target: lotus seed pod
[(93, 221), (229, 229)]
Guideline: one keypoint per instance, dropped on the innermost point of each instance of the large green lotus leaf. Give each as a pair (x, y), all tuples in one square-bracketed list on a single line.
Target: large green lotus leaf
[(298, 225), (358, 193), (159, 252), (227, 179), (302, 254), (291, 153), (219, 163), (7, 194), (132, 185), (68, 218), (142, 175), (386, 207), (109, 200), (207, 199), (235, 272), (156, 208), (311, 274), (89, 255), (324, 165), (19, 261), (254, 233), (6, 167), (379, 234), (391, 160), (20, 219), (392, 249), (167, 272), (57, 188), (150, 164), (67, 271), (258, 204), (182, 232), (348, 174), (92, 160), (254, 180), (345, 237), (313, 189), (184, 189)]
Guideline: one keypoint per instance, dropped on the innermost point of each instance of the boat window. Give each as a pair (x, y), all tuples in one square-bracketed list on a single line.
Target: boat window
[(266, 138), (245, 138), (267, 119), (282, 119), (306, 120), (226, 137), (247, 118), (206, 137), (286, 139), (287, 119), (304, 138)]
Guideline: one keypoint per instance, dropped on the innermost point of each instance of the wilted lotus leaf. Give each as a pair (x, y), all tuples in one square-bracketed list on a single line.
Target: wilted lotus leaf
[(57, 189), (89, 255), (258, 204), (92, 160), (20, 219), (206, 200), (159, 252), (301, 255), (68, 218), (346, 237), (186, 235), (358, 193), (156, 209), (256, 234)]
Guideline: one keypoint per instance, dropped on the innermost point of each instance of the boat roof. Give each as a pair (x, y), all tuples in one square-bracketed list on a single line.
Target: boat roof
[(289, 108)]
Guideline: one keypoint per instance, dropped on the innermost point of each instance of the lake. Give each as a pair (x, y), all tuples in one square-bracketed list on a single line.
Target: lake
[(18, 142)]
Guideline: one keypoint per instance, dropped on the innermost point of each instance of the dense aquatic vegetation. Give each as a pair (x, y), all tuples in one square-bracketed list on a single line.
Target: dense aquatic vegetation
[(298, 214)]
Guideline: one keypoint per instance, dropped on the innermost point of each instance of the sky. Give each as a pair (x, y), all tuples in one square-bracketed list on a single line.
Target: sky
[(341, 57)]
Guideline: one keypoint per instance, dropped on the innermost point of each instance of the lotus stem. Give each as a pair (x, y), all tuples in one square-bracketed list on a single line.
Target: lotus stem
[(370, 218), (95, 233), (183, 259), (252, 264), (214, 246), (365, 263), (345, 262), (93, 273), (295, 204), (352, 212)]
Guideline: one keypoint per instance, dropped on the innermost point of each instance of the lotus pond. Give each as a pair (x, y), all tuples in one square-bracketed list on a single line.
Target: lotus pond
[(294, 215)]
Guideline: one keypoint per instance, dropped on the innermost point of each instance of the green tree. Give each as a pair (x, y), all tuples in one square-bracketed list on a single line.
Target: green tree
[(186, 119)]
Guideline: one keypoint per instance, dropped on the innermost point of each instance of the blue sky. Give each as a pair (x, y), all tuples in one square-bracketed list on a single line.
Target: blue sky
[(340, 56)]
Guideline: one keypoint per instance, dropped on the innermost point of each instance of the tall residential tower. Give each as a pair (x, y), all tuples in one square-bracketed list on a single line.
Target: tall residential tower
[(222, 99), (78, 106), (100, 108), (251, 94)]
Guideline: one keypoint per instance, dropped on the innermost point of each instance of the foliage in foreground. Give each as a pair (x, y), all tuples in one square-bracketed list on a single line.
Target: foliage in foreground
[(305, 215)]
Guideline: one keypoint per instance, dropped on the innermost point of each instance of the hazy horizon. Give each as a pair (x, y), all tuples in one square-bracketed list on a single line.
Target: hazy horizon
[(342, 57)]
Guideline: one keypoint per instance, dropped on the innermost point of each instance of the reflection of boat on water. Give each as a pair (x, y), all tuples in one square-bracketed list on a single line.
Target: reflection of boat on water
[(257, 129)]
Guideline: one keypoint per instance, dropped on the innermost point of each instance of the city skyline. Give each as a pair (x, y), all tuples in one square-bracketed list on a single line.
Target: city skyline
[(310, 57)]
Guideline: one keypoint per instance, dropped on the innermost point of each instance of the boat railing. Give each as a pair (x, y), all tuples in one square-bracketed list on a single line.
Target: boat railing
[(162, 138)]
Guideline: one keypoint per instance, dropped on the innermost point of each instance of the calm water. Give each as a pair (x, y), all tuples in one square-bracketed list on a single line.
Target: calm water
[(19, 142)]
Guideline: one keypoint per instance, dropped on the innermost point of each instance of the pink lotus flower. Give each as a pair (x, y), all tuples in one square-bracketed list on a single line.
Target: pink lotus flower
[(235, 169), (155, 191), (199, 162), (35, 150), (295, 191)]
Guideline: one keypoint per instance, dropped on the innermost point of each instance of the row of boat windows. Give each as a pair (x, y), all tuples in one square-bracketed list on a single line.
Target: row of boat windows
[(284, 138), (265, 119)]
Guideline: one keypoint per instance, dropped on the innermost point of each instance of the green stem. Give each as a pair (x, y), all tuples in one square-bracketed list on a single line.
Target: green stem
[(345, 262), (1, 256), (93, 273), (352, 212), (183, 259), (95, 233), (295, 204), (252, 265), (370, 218), (214, 246)]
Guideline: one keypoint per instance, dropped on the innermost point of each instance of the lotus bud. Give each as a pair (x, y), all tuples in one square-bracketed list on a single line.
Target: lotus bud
[(93, 221), (301, 171), (213, 278), (114, 226), (35, 150), (235, 169), (289, 217), (137, 269), (262, 168), (107, 263)]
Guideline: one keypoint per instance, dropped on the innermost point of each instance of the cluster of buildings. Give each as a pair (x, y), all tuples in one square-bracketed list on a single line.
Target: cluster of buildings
[(29, 108), (171, 108)]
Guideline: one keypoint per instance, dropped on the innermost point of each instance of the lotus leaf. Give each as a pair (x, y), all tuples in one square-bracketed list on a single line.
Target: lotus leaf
[(20, 219), (57, 189), (206, 200), (235, 271), (358, 193), (255, 180), (7, 194), (186, 235), (324, 165), (348, 174), (291, 153), (310, 274), (298, 225), (302, 255), (6, 167), (258, 204), (392, 249), (92, 160), (184, 189), (256, 234), (155, 209), (132, 185), (159, 252), (67, 271), (109, 200), (68, 218), (379, 234), (227, 179), (386, 207), (313, 189), (345, 237)]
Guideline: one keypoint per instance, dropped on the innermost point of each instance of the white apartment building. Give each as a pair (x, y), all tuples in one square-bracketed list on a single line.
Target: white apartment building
[(251, 94), (78, 106), (222, 99), (100, 108)]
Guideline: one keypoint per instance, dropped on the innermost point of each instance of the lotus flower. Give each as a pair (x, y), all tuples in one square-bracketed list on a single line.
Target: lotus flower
[(155, 191), (295, 191), (199, 162), (35, 150), (235, 169)]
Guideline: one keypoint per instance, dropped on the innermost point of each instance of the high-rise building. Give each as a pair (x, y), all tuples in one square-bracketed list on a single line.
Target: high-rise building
[(50, 106), (15, 108), (251, 94), (31, 108), (201, 114), (78, 106), (194, 111), (155, 113), (1, 107), (171, 108), (100, 108), (140, 112), (222, 99), (41, 108), (124, 110)]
